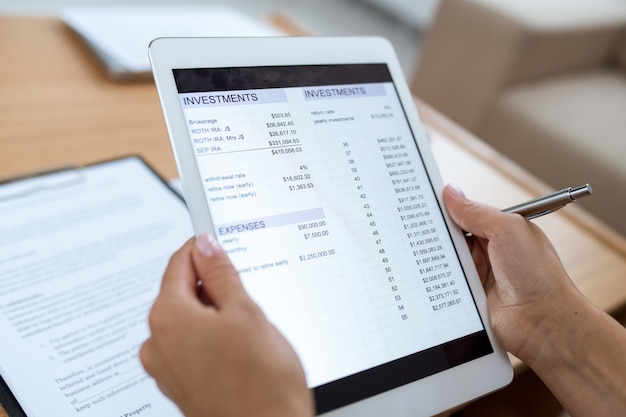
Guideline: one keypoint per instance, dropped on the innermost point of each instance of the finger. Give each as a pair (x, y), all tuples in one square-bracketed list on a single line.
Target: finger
[(178, 297), (220, 280), (478, 250), (147, 357), (153, 366), (180, 279), (476, 218)]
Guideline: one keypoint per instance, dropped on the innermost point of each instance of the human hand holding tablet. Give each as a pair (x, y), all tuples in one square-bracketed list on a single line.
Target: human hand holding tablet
[(306, 158)]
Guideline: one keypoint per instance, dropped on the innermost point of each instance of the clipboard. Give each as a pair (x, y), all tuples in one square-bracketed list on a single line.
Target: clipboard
[(76, 177), (9, 402), (62, 179), (7, 399)]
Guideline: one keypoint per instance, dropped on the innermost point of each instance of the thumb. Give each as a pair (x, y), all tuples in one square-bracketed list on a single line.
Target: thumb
[(478, 219), (219, 278)]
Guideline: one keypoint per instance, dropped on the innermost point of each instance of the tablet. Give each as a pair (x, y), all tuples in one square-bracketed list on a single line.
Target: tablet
[(306, 158)]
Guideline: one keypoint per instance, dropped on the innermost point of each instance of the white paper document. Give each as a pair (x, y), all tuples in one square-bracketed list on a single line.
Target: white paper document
[(82, 254), (120, 35)]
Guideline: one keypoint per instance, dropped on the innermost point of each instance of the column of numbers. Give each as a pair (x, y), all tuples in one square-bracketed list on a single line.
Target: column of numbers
[(381, 253), (429, 255)]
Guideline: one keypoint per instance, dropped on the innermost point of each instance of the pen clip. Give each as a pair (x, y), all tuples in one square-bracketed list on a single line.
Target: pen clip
[(543, 213)]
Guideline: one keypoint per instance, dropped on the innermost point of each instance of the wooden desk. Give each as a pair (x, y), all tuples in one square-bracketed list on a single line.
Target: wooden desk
[(57, 107)]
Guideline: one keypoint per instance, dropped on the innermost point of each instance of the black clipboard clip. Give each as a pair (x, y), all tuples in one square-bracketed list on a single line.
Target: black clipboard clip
[(56, 178)]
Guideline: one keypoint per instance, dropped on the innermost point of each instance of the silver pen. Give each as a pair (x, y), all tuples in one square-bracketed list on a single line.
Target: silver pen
[(549, 203)]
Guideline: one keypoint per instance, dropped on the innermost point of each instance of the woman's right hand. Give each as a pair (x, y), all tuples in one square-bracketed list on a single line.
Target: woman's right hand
[(528, 290)]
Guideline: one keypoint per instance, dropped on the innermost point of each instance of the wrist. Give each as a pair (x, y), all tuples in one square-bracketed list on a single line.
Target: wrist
[(581, 360), (554, 333)]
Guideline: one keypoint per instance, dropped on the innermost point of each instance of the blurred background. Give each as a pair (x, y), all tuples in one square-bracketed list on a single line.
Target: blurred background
[(400, 21)]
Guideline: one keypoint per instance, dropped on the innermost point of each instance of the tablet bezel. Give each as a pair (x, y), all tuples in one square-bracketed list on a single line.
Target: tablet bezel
[(423, 397)]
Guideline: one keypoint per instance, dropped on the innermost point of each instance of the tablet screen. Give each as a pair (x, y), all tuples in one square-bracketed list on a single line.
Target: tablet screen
[(318, 193)]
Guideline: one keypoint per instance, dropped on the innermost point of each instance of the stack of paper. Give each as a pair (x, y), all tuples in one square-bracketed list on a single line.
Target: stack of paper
[(120, 35)]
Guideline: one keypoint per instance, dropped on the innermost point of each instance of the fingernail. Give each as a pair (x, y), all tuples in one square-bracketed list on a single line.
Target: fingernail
[(207, 245), (456, 191)]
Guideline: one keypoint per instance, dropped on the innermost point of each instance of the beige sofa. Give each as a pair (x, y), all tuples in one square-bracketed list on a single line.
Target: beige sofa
[(543, 81)]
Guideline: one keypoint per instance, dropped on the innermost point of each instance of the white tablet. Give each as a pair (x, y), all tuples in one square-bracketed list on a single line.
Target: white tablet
[(307, 159)]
